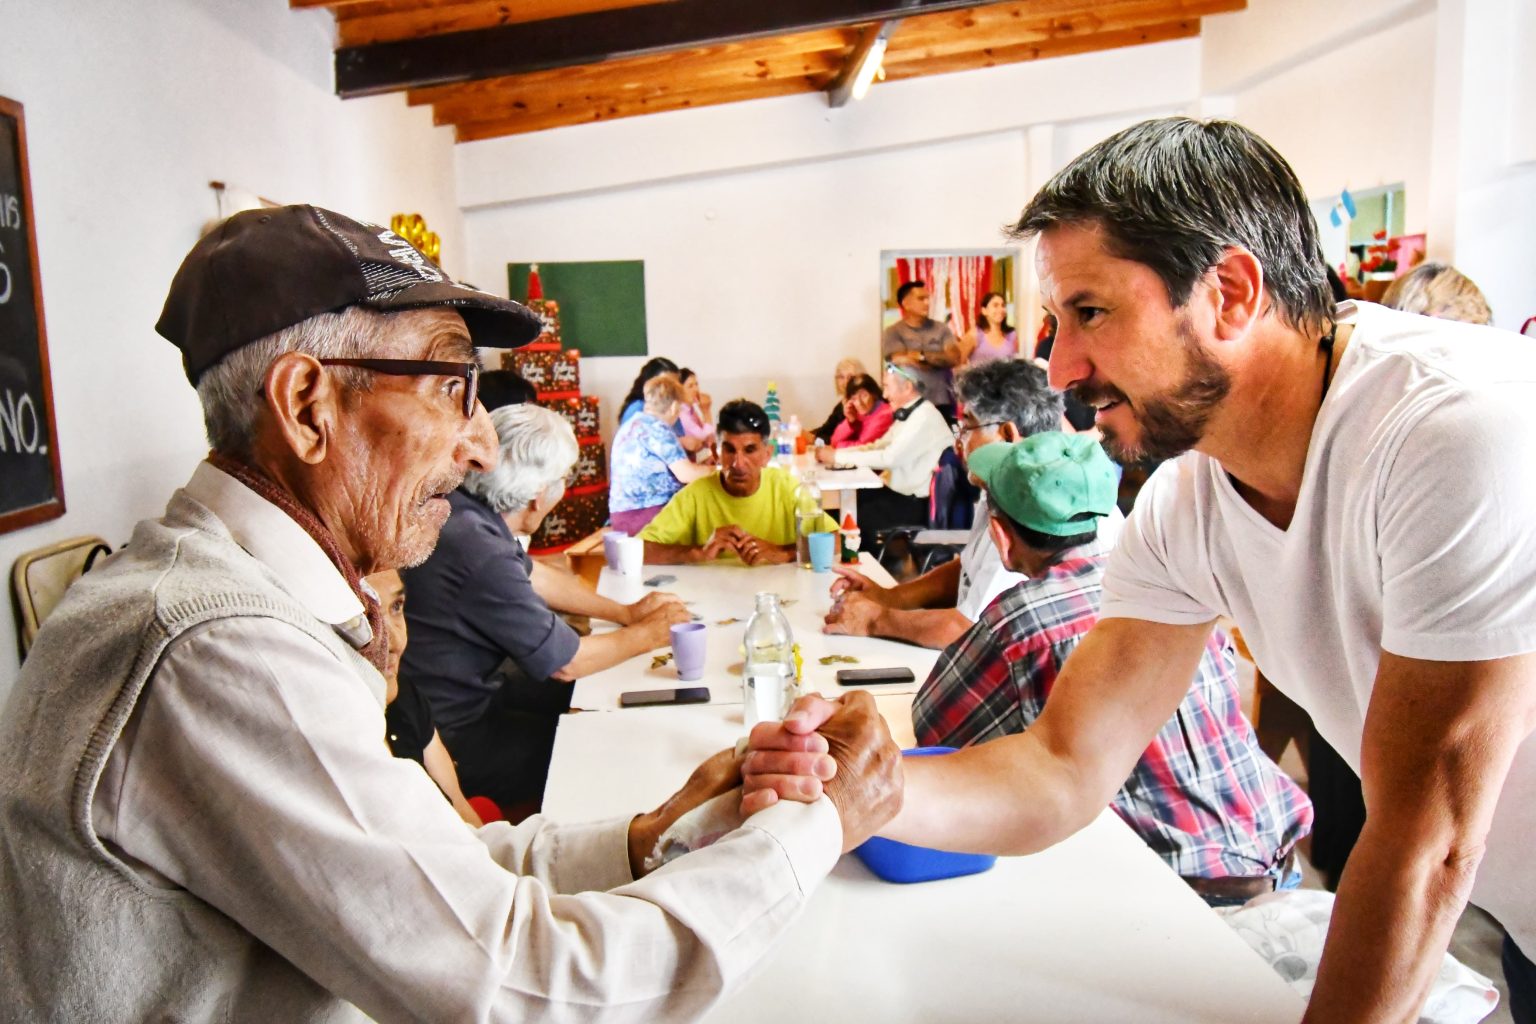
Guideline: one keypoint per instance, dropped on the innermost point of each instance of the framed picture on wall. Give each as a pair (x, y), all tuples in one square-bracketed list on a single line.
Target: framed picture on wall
[(31, 484), (959, 283)]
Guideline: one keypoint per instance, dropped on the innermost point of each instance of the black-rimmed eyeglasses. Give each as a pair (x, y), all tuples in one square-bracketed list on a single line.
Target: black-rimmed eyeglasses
[(960, 432), (470, 372)]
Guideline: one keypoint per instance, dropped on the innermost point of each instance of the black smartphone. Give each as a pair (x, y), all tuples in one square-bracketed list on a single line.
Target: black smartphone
[(873, 676), (680, 695)]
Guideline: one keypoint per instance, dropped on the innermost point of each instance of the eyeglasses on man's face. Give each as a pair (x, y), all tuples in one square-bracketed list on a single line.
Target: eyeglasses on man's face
[(468, 372), (959, 431)]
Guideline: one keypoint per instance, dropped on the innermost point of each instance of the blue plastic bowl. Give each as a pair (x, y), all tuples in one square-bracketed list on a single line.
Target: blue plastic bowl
[(902, 863)]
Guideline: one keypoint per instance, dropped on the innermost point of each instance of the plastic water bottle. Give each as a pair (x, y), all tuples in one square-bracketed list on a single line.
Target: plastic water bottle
[(768, 673), (785, 445), (808, 514)]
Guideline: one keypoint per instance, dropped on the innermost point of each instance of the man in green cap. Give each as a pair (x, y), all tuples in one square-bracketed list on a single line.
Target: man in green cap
[(1203, 795)]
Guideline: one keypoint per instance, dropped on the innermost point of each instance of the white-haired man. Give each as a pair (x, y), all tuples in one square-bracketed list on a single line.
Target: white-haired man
[(487, 647), (199, 817)]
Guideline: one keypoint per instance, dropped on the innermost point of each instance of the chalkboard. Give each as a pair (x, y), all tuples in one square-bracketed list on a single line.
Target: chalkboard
[(31, 487), (602, 304)]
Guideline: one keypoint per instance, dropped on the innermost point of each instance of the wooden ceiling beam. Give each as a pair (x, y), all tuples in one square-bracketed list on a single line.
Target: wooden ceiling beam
[(652, 103), (598, 36), (525, 91), (384, 21), (992, 29), (640, 69), (597, 89), (898, 69)]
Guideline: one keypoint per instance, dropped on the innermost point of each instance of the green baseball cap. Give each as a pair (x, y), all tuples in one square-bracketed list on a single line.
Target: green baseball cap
[(1048, 482)]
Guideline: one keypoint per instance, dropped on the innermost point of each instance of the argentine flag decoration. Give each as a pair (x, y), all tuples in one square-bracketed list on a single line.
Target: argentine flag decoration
[(1343, 210)]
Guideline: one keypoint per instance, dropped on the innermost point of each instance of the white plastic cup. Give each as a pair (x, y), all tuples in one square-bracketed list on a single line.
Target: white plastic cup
[(631, 557)]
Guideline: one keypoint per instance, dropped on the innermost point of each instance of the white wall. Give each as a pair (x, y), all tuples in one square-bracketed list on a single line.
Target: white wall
[(1355, 116), (761, 224), (131, 110), (767, 274)]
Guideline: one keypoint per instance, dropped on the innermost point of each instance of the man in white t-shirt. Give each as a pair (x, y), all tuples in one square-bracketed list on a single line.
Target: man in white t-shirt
[(1353, 487), (1004, 400)]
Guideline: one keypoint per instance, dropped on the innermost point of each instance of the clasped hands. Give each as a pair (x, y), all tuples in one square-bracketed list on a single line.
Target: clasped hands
[(752, 549)]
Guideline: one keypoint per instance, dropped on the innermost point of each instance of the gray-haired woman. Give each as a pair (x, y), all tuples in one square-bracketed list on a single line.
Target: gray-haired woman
[(487, 647)]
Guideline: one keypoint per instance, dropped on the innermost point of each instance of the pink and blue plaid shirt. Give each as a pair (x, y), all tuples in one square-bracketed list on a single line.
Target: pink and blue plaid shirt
[(1203, 795)]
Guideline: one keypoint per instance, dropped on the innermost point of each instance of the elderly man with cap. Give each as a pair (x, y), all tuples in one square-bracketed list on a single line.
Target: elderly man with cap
[(1203, 795), (199, 817)]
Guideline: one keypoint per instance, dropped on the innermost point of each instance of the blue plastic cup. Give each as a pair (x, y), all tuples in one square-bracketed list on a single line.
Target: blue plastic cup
[(822, 546)]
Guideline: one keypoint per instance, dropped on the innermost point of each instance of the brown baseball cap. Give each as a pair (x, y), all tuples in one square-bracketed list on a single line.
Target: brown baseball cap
[(262, 270)]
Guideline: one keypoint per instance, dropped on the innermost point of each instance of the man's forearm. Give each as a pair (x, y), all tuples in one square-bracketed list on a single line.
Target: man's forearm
[(565, 592), (1396, 909), (936, 588), (927, 627), (605, 650), (969, 802), (670, 554)]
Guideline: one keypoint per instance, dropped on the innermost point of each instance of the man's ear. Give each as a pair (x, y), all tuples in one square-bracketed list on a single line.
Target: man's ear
[(1010, 433), (1001, 538), (304, 402), (1238, 292)]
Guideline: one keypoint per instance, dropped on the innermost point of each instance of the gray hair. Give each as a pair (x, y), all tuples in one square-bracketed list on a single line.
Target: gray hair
[(1175, 194), (1438, 290), (661, 393), (1011, 391), (231, 389), (538, 449)]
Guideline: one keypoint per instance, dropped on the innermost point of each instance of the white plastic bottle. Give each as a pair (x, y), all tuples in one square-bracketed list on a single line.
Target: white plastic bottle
[(768, 672)]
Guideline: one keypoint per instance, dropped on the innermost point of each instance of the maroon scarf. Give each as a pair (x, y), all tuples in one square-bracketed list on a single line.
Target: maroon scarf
[(377, 649)]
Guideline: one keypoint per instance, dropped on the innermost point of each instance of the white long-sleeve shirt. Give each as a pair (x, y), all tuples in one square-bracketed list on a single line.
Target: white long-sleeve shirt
[(908, 451), (253, 776)]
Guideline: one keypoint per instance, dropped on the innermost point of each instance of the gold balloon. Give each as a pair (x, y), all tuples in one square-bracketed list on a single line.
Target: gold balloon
[(413, 228)]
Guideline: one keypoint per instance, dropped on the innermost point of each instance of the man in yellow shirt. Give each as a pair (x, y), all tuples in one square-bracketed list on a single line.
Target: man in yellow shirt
[(747, 509)]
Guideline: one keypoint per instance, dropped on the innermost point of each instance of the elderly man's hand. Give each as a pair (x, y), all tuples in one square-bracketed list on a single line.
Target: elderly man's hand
[(650, 604), (756, 551), (849, 578), (841, 748), (906, 358), (656, 627), (724, 539), (721, 773), (855, 613)]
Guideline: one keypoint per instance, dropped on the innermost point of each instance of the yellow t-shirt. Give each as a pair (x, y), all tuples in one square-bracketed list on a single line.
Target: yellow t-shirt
[(698, 510)]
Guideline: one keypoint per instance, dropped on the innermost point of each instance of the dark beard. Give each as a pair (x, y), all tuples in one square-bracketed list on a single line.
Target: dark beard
[(1174, 422)]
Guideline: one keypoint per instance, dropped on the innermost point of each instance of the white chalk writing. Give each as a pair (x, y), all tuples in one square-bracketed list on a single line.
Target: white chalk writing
[(20, 424)]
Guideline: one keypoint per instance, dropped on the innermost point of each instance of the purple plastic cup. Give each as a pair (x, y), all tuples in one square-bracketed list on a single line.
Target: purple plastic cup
[(611, 548), (688, 649)]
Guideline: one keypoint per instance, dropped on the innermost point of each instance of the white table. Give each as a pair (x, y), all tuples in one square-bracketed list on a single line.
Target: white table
[(727, 590), (846, 482), (1095, 929)]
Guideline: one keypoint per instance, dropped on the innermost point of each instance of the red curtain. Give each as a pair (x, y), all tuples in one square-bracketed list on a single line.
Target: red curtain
[(956, 283)]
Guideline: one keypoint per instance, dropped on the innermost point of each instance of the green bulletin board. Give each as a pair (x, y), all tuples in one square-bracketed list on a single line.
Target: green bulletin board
[(602, 304)]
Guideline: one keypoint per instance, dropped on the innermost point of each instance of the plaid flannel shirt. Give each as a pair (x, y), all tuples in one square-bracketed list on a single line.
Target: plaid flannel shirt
[(1203, 795)]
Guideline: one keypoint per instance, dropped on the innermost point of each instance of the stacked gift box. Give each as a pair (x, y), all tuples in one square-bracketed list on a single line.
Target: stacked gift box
[(555, 373)]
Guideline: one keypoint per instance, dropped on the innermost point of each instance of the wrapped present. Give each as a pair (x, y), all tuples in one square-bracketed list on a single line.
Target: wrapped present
[(565, 374), (587, 420), (548, 311), (551, 371), (591, 463), (582, 511), (568, 407)]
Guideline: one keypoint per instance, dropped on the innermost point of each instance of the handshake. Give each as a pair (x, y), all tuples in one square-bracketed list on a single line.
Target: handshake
[(752, 550), (839, 748)]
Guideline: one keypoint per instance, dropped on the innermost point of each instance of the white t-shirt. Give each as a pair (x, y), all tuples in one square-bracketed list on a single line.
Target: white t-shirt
[(1414, 532), (983, 577)]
